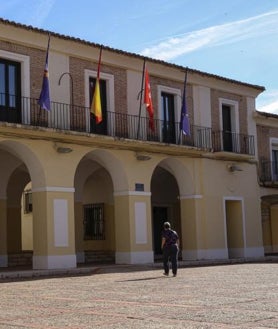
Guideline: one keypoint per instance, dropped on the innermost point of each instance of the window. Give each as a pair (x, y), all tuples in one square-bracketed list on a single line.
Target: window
[(168, 118), (227, 128), (169, 113), (107, 98), (273, 167), (22, 62), (94, 221), (10, 92), (100, 128), (275, 164), (229, 125), (28, 203)]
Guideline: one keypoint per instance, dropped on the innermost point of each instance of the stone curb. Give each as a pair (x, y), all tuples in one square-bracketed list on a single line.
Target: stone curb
[(17, 273)]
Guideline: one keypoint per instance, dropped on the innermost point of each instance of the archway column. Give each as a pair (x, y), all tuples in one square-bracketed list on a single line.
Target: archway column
[(78, 211), (133, 228), (3, 233), (274, 228), (200, 239), (54, 238), (190, 206)]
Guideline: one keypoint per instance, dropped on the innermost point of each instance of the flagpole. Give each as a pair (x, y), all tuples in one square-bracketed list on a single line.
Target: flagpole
[(183, 100), (95, 106), (99, 61), (46, 62), (141, 92)]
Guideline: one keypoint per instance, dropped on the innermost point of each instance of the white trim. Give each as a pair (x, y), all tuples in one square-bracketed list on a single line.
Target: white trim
[(60, 223), (273, 145), (191, 196), (25, 80), (54, 189), (235, 113), (54, 262), (177, 103), (132, 193), (234, 116), (109, 78), (140, 218), (138, 257)]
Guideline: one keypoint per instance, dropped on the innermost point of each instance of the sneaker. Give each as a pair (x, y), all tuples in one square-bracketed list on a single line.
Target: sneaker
[(174, 274), (166, 274)]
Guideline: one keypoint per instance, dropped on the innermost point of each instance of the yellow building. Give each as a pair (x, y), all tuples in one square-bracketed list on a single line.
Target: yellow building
[(267, 132), (73, 191)]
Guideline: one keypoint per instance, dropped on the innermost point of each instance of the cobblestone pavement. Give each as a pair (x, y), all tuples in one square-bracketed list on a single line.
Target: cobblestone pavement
[(224, 296)]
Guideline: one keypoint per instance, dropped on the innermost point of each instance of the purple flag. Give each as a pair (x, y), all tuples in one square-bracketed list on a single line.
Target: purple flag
[(44, 100), (184, 123)]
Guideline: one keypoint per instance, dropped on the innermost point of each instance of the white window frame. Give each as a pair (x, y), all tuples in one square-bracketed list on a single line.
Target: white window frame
[(234, 106), (25, 80), (273, 146), (177, 104), (109, 78)]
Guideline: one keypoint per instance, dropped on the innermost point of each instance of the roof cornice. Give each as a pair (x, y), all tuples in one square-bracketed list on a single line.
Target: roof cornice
[(125, 53)]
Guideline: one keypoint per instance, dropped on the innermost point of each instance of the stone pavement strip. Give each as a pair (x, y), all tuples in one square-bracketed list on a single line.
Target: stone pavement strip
[(225, 296)]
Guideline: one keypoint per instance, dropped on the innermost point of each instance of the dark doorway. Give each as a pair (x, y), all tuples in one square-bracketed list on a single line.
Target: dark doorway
[(227, 128), (168, 124), (160, 215), (10, 91)]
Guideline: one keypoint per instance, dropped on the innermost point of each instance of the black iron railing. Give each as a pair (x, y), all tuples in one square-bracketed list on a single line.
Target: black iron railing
[(119, 125), (268, 171), (233, 142)]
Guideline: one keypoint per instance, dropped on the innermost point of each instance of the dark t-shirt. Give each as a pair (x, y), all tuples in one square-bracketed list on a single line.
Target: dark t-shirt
[(170, 236)]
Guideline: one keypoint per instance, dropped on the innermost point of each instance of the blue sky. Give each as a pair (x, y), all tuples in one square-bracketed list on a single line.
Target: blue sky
[(237, 39)]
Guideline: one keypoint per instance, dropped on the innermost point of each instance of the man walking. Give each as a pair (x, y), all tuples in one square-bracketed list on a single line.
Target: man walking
[(170, 247)]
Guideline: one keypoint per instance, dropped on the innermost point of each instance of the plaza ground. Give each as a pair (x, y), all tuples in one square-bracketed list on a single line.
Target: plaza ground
[(241, 295)]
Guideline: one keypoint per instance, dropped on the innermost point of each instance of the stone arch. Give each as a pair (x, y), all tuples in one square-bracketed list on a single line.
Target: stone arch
[(18, 166), (172, 179), (29, 158), (111, 162), (98, 175), (181, 173), (269, 209)]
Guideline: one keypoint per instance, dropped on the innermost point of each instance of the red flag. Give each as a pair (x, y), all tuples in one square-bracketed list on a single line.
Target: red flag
[(96, 101), (148, 99)]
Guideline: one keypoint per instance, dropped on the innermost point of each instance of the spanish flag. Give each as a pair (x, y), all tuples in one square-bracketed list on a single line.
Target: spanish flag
[(96, 101)]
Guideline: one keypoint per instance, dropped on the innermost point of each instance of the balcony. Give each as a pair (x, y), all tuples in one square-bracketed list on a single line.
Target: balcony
[(65, 117), (268, 173)]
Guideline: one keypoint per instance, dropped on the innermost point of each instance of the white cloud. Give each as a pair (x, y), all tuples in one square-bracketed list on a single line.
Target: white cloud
[(41, 10), (253, 27), (268, 102), (270, 108), (30, 12)]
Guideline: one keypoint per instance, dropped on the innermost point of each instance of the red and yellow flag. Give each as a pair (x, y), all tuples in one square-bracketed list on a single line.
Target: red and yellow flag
[(148, 99), (96, 101)]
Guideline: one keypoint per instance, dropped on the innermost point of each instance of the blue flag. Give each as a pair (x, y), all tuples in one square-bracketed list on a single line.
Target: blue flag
[(184, 123), (44, 100)]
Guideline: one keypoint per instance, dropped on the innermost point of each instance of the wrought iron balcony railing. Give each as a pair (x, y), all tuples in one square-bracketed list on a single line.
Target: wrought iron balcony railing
[(268, 172), (62, 116), (233, 142)]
